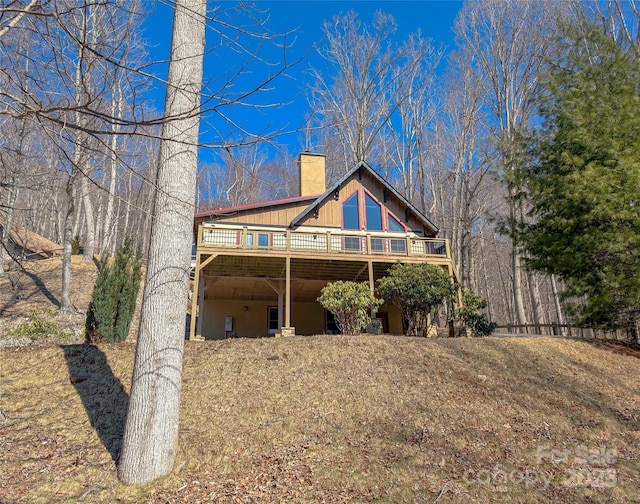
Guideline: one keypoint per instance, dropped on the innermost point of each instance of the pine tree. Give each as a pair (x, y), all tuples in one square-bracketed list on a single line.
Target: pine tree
[(584, 182), (114, 295)]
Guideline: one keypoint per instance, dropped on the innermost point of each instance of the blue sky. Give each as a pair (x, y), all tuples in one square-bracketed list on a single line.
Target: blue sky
[(433, 17)]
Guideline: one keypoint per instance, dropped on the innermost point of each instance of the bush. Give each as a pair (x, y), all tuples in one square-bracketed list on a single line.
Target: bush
[(37, 327), (75, 246), (417, 289), (471, 314), (350, 303), (114, 295)]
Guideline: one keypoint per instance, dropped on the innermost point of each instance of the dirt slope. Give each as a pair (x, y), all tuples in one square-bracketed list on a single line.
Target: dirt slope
[(335, 419), (30, 301), (319, 419)]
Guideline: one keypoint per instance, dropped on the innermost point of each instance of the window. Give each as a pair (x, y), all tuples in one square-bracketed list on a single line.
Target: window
[(263, 240), (330, 323), (350, 216), (373, 213), (272, 324), (394, 224), (361, 203)]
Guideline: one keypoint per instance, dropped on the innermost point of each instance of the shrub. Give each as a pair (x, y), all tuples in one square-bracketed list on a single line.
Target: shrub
[(37, 327), (417, 289), (75, 245), (471, 314), (350, 303), (114, 295)]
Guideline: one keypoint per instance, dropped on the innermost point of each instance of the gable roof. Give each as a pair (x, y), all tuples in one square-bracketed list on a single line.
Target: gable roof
[(362, 166)]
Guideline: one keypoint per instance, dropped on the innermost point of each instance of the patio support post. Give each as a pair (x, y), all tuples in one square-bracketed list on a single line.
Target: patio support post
[(194, 297), (280, 304), (287, 319), (201, 291), (197, 304)]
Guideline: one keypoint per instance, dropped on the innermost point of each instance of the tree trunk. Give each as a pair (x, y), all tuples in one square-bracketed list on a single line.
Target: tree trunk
[(151, 433), (65, 297), (556, 300), (90, 240), (8, 220), (108, 240), (536, 303), (518, 301)]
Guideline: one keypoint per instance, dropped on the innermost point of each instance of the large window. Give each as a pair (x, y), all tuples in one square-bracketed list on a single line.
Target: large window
[(362, 205), (350, 212), (373, 211)]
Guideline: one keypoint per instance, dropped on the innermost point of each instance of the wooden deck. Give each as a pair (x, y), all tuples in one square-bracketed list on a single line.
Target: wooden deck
[(322, 244)]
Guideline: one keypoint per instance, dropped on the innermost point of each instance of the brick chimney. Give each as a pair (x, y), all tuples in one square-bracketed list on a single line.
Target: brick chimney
[(312, 174)]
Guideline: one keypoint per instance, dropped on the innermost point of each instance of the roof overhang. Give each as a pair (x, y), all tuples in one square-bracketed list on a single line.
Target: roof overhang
[(335, 188)]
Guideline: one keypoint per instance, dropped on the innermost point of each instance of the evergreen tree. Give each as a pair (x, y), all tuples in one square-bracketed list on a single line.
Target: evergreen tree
[(114, 295), (128, 265), (584, 181)]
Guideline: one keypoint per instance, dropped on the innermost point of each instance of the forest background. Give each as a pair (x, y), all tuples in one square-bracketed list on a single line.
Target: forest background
[(80, 125)]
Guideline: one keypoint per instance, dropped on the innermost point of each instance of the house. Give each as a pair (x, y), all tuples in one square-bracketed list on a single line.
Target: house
[(259, 268)]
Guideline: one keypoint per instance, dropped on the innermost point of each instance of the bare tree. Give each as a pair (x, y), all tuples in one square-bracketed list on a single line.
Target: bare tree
[(151, 432), (245, 174), (372, 78), (406, 137), (61, 78), (507, 43), (461, 181)]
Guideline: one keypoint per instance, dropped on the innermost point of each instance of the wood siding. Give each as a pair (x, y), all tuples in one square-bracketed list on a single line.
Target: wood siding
[(280, 215), (329, 215)]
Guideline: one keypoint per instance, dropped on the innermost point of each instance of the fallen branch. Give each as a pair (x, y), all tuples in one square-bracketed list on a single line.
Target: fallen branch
[(442, 492)]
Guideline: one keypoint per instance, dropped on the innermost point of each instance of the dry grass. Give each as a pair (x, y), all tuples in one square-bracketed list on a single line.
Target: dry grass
[(335, 419), (35, 293), (320, 419)]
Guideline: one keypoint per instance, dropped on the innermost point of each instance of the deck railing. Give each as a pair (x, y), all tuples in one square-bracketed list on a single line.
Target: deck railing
[(322, 242)]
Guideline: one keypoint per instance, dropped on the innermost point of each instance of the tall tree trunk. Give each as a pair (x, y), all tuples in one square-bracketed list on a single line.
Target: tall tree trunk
[(151, 433), (516, 284), (536, 303), (90, 239), (556, 300), (8, 220), (65, 298), (108, 241)]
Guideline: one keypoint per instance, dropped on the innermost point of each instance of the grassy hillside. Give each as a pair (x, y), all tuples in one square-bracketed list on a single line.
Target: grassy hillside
[(335, 419)]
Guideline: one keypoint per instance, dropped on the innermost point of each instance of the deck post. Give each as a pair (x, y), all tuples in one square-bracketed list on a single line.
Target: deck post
[(194, 296), (201, 291), (287, 318), (280, 304)]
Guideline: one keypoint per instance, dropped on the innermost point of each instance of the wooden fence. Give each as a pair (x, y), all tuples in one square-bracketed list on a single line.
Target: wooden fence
[(562, 330)]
